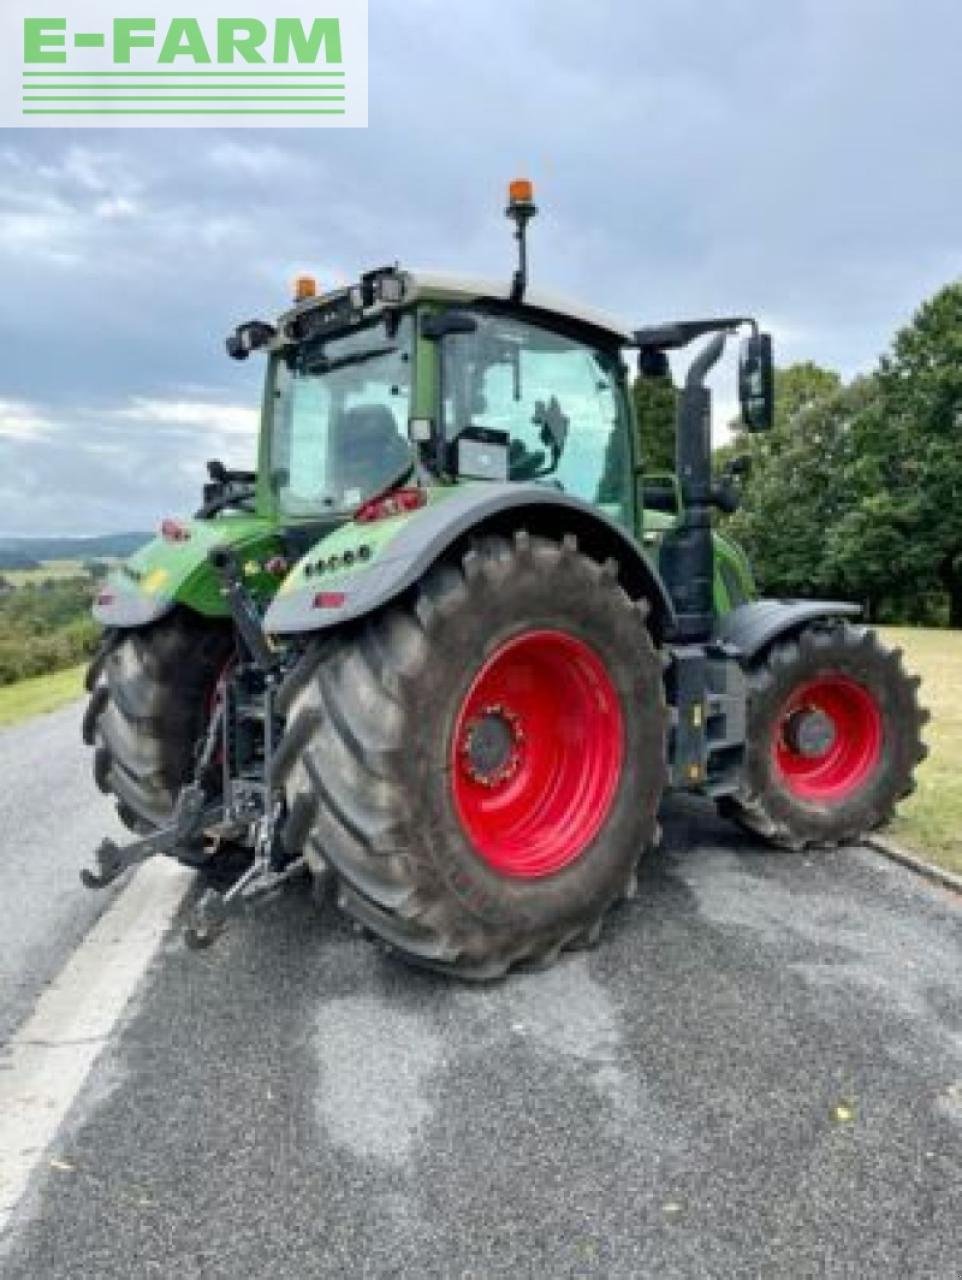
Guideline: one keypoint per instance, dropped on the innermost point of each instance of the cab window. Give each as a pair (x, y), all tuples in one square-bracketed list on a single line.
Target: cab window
[(559, 400)]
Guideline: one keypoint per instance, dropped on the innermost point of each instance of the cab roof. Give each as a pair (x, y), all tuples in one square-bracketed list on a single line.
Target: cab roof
[(337, 308), (439, 286)]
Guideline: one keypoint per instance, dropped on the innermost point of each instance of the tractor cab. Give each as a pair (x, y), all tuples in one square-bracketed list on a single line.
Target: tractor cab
[(418, 378), (410, 380)]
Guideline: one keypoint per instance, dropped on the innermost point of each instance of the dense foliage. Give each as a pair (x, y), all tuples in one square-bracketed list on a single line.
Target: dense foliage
[(45, 626), (858, 489), (655, 406)]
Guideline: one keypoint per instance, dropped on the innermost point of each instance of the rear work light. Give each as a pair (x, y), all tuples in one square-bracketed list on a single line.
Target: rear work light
[(397, 503), (390, 289), (329, 599)]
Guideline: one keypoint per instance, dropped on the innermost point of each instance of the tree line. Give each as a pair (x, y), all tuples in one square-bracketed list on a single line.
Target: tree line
[(857, 491)]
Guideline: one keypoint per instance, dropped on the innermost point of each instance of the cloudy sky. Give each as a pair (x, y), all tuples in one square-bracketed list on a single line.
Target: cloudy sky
[(800, 160)]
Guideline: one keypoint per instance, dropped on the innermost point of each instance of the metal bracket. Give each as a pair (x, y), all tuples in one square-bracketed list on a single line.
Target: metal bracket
[(210, 916), (248, 802), (192, 816)]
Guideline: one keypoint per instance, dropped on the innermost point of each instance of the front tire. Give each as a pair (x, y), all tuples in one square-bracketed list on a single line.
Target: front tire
[(833, 738), (481, 766)]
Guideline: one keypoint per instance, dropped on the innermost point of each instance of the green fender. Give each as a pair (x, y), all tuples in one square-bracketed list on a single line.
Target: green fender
[(168, 572)]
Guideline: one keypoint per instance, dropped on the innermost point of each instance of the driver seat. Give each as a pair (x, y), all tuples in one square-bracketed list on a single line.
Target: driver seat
[(367, 447)]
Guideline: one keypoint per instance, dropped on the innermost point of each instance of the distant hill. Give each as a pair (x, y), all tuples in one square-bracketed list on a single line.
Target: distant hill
[(20, 552), (17, 560)]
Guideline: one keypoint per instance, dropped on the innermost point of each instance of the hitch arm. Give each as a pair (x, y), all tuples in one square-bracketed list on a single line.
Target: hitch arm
[(191, 816), (242, 607)]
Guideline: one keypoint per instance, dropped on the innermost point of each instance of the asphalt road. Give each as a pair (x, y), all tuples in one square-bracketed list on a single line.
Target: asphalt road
[(295, 1104), (48, 817)]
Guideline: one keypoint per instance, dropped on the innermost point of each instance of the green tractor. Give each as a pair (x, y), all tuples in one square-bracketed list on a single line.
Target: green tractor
[(437, 651)]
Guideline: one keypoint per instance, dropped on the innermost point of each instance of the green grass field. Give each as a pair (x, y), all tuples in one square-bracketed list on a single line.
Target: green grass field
[(32, 697), (931, 821)]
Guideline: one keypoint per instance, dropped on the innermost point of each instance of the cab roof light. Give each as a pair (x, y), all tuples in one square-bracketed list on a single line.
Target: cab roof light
[(521, 191), (305, 287), (521, 209), (398, 503)]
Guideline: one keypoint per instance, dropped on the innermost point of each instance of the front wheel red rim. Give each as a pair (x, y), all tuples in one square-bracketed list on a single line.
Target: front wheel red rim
[(835, 771), (537, 753)]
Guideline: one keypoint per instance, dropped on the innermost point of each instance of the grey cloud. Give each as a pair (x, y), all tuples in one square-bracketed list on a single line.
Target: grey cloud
[(798, 160)]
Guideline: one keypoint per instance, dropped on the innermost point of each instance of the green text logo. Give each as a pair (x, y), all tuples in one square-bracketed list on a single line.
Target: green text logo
[(305, 65)]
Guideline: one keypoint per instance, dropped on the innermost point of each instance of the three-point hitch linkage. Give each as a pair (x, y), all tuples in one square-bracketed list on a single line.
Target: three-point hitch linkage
[(232, 795)]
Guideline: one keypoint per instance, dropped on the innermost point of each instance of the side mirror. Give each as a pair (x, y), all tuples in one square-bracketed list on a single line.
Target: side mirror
[(756, 382), (440, 324)]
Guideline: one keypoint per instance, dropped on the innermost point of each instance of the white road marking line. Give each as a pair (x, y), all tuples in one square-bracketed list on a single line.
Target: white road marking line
[(44, 1066)]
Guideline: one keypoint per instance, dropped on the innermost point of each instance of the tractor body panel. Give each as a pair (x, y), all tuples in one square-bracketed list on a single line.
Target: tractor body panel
[(321, 591), (168, 572), (752, 627), (734, 584)]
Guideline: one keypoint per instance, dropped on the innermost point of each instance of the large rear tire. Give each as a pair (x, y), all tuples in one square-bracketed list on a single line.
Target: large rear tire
[(833, 738), (151, 692), (481, 766)]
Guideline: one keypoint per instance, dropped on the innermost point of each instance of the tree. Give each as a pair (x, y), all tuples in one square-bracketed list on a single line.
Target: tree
[(795, 491), (906, 522), (799, 387), (655, 405)]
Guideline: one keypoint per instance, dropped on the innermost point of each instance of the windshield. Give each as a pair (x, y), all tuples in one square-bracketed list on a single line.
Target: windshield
[(558, 400), (340, 419)]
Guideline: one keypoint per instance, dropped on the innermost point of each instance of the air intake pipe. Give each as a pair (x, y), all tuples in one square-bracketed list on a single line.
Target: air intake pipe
[(687, 554)]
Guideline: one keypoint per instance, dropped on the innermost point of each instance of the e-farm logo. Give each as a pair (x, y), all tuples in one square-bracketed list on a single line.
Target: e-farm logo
[(92, 63)]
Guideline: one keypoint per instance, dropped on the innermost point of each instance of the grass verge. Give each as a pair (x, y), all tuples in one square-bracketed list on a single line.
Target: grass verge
[(32, 697), (930, 821), (48, 571)]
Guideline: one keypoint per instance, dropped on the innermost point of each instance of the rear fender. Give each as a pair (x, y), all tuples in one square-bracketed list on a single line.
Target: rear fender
[(166, 573), (316, 597)]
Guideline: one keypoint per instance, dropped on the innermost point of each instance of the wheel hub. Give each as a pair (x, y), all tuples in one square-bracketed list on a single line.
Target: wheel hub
[(809, 732), (491, 746), (828, 743)]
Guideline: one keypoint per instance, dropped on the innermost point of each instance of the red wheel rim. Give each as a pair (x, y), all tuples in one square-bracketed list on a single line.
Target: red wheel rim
[(837, 772), (536, 754)]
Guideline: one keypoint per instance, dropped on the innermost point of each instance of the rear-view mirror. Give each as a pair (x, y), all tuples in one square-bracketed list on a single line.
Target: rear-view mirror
[(756, 382)]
